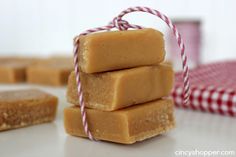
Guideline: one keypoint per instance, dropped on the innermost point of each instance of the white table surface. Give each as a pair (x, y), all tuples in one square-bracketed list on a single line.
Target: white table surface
[(195, 130)]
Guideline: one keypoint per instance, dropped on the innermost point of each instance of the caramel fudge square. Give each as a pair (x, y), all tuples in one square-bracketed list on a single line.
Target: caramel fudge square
[(13, 70), (126, 126), (114, 90), (54, 72), (113, 50), (20, 108)]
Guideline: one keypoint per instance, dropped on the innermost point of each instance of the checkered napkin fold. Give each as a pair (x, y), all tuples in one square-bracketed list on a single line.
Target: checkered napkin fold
[(213, 88)]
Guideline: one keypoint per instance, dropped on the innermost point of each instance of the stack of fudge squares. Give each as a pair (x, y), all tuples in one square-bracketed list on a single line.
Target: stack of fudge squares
[(126, 87)]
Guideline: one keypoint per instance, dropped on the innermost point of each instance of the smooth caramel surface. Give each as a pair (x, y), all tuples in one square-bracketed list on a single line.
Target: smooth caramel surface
[(21, 108), (125, 126), (113, 50), (54, 71), (118, 89)]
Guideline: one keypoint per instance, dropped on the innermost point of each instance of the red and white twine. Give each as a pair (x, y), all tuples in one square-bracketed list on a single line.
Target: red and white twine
[(121, 24)]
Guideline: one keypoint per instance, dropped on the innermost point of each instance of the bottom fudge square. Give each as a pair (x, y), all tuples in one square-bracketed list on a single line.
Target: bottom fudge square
[(126, 125)]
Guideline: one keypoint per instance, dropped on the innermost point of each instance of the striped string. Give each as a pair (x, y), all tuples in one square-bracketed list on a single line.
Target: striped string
[(121, 24)]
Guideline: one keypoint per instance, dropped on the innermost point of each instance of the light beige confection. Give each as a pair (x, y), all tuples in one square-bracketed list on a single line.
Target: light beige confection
[(118, 89), (114, 50), (21, 108), (125, 126), (13, 69), (53, 71)]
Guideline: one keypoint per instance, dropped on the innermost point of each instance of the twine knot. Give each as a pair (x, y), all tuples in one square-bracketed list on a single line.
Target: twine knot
[(120, 24)]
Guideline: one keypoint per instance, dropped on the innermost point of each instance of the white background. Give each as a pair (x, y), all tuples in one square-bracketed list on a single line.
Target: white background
[(45, 27)]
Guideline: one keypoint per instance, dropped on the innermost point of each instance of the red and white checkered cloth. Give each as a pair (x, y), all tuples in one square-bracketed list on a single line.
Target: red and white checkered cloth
[(213, 88)]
